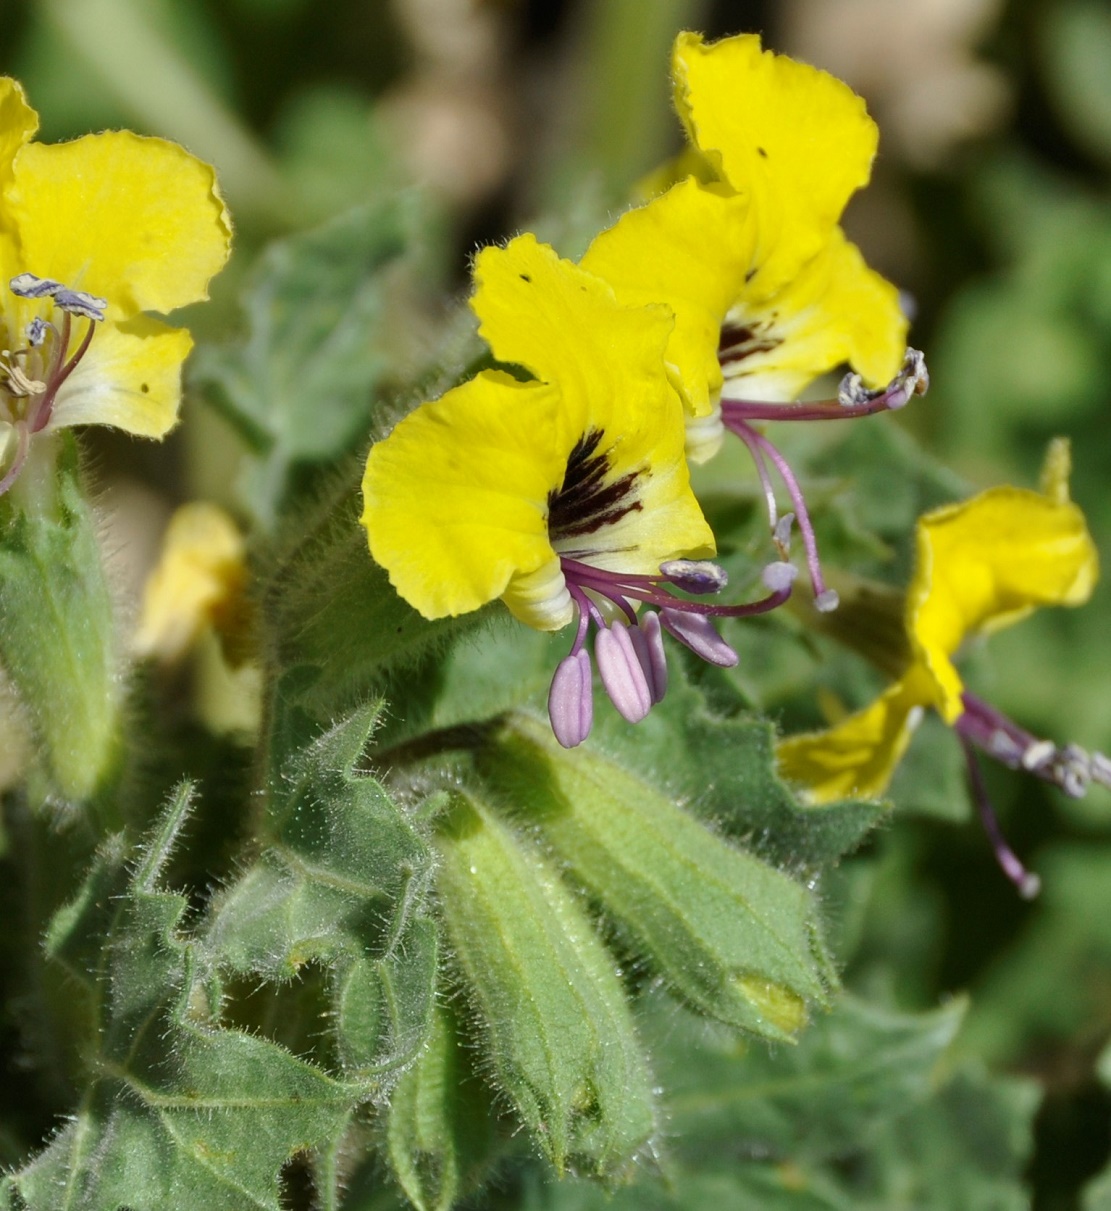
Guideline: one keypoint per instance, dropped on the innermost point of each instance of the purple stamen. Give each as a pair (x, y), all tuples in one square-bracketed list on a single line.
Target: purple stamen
[(1027, 883), (1071, 768), (649, 646), (695, 575), (697, 632), (571, 699), (853, 398), (825, 599), (622, 672)]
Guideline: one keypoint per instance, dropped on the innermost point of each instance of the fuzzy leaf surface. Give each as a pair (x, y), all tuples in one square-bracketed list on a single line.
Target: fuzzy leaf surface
[(178, 1112), (341, 883)]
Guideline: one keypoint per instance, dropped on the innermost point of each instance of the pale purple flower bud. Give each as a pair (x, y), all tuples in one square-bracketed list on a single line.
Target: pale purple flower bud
[(648, 643), (695, 575), (621, 671), (571, 699), (779, 576), (697, 632)]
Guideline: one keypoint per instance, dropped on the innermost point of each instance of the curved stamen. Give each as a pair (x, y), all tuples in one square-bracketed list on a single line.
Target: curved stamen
[(45, 406), (1027, 883), (23, 440)]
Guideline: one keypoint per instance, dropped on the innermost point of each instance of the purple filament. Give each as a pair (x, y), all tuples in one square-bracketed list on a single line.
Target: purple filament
[(1026, 882)]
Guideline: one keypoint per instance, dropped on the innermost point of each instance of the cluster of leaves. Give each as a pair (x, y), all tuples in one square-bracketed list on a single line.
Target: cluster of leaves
[(491, 959)]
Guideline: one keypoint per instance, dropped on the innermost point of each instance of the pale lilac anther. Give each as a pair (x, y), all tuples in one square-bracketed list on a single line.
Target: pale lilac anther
[(648, 642), (31, 286), (698, 633), (913, 379), (779, 576), (698, 576), (78, 302), (36, 332), (827, 601), (781, 533), (622, 673), (571, 699)]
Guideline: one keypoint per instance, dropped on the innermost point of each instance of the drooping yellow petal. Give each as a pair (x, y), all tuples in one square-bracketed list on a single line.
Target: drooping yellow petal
[(986, 563), (835, 310), (130, 377), (200, 575), (690, 249), (456, 497), (135, 220), (796, 139), (856, 757)]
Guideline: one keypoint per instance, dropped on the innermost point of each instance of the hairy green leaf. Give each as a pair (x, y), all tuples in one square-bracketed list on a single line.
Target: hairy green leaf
[(178, 1112), (559, 1035)]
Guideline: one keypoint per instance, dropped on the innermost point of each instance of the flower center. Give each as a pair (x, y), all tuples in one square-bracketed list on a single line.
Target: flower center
[(589, 499), (32, 375)]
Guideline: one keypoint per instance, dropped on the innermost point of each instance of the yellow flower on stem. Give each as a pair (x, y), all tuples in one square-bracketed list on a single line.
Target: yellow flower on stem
[(767, 292), (565, 494), (981, 565), (94, 233)]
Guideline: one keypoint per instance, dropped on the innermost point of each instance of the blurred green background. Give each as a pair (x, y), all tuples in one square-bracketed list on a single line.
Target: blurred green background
[(990, 206)]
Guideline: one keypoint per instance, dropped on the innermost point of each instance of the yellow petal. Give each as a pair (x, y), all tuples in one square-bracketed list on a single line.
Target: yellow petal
[(456, 497), (795, 139), (986, 563), (130, 377), (564, 324), (201, 572), (858, 756), (135, 220), (836, 310), (690, 249), (18, 122)]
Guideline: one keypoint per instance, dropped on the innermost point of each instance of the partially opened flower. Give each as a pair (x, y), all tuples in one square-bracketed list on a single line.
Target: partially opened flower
[(767, 291), (982, 565), (565, 495), (93, 234)]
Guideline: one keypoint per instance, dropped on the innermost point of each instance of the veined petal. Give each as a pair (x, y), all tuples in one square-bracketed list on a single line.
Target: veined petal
[(796, 139), (456, 497), (130, 377), (857, 756), (835, 310), (565, 325), (138, 221), (690, 249), (986, 563)]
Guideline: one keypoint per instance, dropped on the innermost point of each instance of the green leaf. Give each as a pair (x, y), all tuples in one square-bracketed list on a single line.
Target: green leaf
[(1076, 47), (342, 883), (299, 386), (559, 1035), (178, 1112), (440, 1124), (732, 935), (851, 1073), (58, 633)]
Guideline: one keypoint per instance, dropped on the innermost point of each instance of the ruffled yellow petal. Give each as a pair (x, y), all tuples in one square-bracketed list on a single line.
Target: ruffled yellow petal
[(564, 324), (835, 310), (797, 139), (130, 378), (690, 162), (690, 249), (986, 563), (18, 122), (456, 497), (858, 756), (200, 575), (135, 220)]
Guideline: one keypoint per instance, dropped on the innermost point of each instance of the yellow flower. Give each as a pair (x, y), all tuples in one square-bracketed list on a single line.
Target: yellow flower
[(767, 292), (563, 494), (94, 233), (981, 565), (199, 582)]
